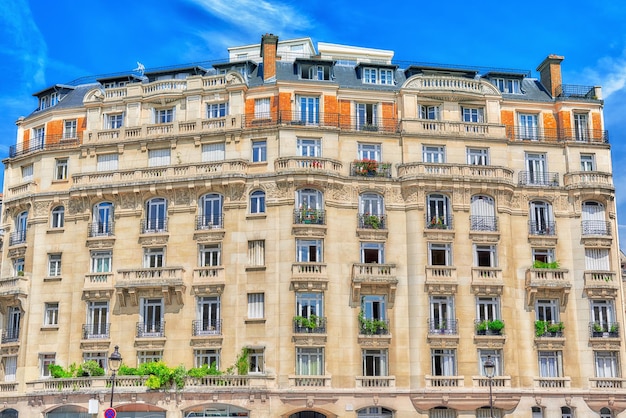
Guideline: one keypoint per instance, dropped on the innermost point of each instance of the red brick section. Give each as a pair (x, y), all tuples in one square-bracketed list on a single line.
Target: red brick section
[(249, 111), (269, 44), (344, 114), (331, 110), (549, 126), (508, 120), (550, 73), (284, 106), (596, 121), (389, 116), (564, 122), (54, 131), (26, 141), (274, 108)]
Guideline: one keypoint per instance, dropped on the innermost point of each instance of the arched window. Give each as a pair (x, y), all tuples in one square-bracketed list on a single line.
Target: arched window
[(102, 220), (594, 219), (57, 220), (372, 211), (210, 211), (8, 413), (257, 201), (541, 218), (485, 412), (606, 413), (441, 412), (438, 212), (537, 412), (483, 214), (307, 414), (374, 412), (309, 207), (566, 412), (68, 411), (21, 223), (156, 215)]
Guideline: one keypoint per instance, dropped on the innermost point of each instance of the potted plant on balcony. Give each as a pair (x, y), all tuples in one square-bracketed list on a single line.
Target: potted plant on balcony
[(365, 167), (481, 328), (306, 324), (555, 329), (543, 265), (371, 326), (437, 222), (540, 328), (371, 221), (613, 330), (598, 329), (496, 326)]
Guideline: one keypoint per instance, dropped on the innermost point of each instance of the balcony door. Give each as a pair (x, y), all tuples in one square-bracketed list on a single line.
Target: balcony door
[(540, 217), (151, 316), (602, 312), (536, 167), (594, 221), (483, 213), (442, 312), (211, 206), (97, 317), (155, 214), (13, 323), (209, 313), (102, 218)]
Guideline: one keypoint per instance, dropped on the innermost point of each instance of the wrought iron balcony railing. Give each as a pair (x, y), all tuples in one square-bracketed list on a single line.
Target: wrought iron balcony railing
[(153, 225), (150, 330), (541, 228), (45, 142), (371, 221), (101, 229), (313, 325), (545, 179), (17, 237), (439, 222), (596, 228), (96, 331), (11, 335), (309, 216), (209, 222), (445, 327), (211, 326), (483, 223), (604, 329), (370, 168)]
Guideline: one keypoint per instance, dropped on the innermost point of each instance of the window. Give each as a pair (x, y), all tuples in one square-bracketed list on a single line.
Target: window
[(478, 156), (581, 126), (547, 310), (439, 254), (256, 253), (159, 157), (607, 364), (429, 112), (51, 314), (208, 316), (151, 317), (541, 218), (54, 98), (113, 120), (473, 114), (10, 368), (45, 360), (213, 152), (377, 76), (496, 358), (101, 261), (309, 303), (375, 363), (210, 211), (69, 129), (164, 115), (483, 214), (18, 266), (602, 313), (587, 162), (309, 199), (107, 162), (149, 356), (256, 305), (537, 173), (308, 251), (605, 413), (216, 110), (442, 316), (597, 259), (443, 362), (537, 412), (259, 151), (309, 361), (373, 307), (437, 215), (485, 256), (594, 219), (153, 257), (43, 102), (566, 412), (487, 308), (373, 252), (528, 126), (257, 202), (99, 357), (54, 265), (309, 147), (372, 211), (39, 136), (27, 172), (97, 319), (507, 85), (102, 219), (308, 109), (256, 360), (12, 325), (57, 219), (550, 364), (60, 169), (208, 357), (366, 116), (314, 72), (156, 218), (262, 108), (369, 152), (210, 255), (433, 154)]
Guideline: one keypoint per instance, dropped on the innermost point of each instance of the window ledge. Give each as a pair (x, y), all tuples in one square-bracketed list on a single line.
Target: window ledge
[(53, 279), (261, 215), (254, 320), (55, 230), (258, 163), (60, 181), (255, 268), (49, 328)]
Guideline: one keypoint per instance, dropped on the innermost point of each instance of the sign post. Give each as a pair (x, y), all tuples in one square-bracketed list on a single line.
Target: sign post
[(110, 413)]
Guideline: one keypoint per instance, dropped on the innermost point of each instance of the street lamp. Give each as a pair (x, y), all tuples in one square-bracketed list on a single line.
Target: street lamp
[(115, 361), (490, 370)]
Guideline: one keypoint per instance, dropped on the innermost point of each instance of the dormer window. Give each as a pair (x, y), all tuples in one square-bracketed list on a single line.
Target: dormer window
[(507, 85), (54, 99), (314, 72), (43, 103), (377, 76)]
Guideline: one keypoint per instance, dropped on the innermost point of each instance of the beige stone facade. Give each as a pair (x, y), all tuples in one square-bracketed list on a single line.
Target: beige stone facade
[(370, 235)]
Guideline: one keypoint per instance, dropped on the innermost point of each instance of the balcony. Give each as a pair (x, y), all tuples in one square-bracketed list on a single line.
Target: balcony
[(46, 142), (204, 222), (487, 280), (537, 227), (444, 381), (496, 381), (455, 172), (375, 381), (154, 226), (100, 229), (607, 382), (371, 326), (11, 335), (604, 330), (22, 189), (601, 283), (529, 133), (309, 276), (441, 279), (549, 329), (589, 179), (309, 216), (487, 327), (372, 278), (600, 228), (17, 238), (538, 179), (483, 223), (443, 327), (547, 283), (168, 280), (370, 169), (309, 381), (201, 328), (311, 325), (307, 165), (154, 330), (96, 331), (14, 286), (552, 382)]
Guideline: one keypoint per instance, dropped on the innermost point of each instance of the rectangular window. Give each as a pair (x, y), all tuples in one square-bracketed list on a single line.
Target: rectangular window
[(262, 108), (210, 255), (537, 169), (69, 129), (45, 360), (12, 324), (373, 252), (113, 120), (97, 319), (370, 75), (309, 147), (547, 310), (308, 109), (433, 154), (369, 152), (367, 116), (10, 368), (487, 308), (101, 261), (57, 219), (375, 363), (373, 307), (259, 151), (256, 305), (581, 126), (607, 364), (216, 110), (99, 357), (308, 251), (587, 162), (60, 169), (213, 152), (550, 364), (43, 102), (208, 357), (478, 156), (153, 257), (308, 304), (443, 362), (309, 361), (54, 265), (429, 112), (495, 356), (39, 136), (18, 266), (528, 127), (107, 162), (257, 202), (151, 317), (256, 253), (377, 76), (545, 255), (51, 314), (440, 254), (159, 157), (485, 256), (597, 259), (149, 356), (164, 115), (54, 98), (442, 317), (27, 172), (473, 114), (507, 85), (256, 360)]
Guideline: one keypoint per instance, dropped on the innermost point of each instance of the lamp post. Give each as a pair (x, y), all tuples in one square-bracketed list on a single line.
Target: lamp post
[(115, 361), (490, 369)]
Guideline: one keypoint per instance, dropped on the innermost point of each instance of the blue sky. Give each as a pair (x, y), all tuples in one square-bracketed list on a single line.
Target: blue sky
[(44, 42)]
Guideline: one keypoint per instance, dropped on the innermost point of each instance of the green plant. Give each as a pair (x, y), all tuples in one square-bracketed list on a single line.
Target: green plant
[(555, 327), (597, 327), (311, 322), (205, 370), (496, 325), (373, 221), (242, 363), (540, 328), (543, 265), (481, 326), (371, 326), (91, 368), (613, 328)]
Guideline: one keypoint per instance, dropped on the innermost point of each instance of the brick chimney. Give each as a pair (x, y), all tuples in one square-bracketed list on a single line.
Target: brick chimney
[(269, 45), (550, 74)]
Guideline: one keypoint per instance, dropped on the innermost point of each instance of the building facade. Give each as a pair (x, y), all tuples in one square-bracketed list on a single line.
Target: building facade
[(339, 235)]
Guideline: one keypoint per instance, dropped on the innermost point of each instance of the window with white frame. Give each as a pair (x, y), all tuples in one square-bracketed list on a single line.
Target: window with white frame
[(587, 162), (581, 126), (97, 319), (507, 85), (44, 102), (213, 152), (442, 313), (433, 154), (99, 357), (438, 210), (101, 261), (60, 169), (54, 265), (439, 254), (54, 98), (309, 251), (257, 202), (478, 156), (210, 357), (528, 126), (39, 135), (159, 157), (256, 360), (113, 120), (373, 252), (429, 112), (208, 311), (314, 72), (607, 364), (153, 257), (550, 363), (537, 169), (366, 151), (485, 256), (210, 206), (10, 368), (309, 303), (375, 412), (377, 76), (309, 361), (216, 110), (603, 313), (262, 108), (544, 255), (149, 356), (375, 362), (45, 360), (51, 314), (547, 310), (256, 253), (366, 116), (597, 259), (443, 362), (210, 255), (69, 129), (259, 151), (27, 172), (102, 218), (309, 199), (151, 317), (541, 218), (374, 307), (164, 115), (256, 305), (18, 266), (308, 109), (57, 217), (12, 324), (372, 204), (309, 147), (156, 215), (473, 114), (107, 162), (495, 356), (487, 308)]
